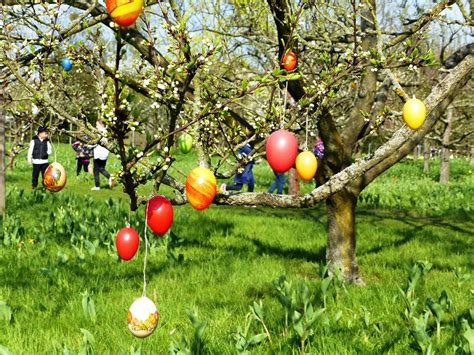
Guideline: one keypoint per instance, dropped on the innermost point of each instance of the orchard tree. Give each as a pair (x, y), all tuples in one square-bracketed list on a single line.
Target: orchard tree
[(212, 69)]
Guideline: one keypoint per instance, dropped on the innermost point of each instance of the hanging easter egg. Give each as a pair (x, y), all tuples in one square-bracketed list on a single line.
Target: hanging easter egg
[(200, 188), (282, 148), (124, 12), (66, 64), (414, 113), (126, 242), (159, 213), (185, 143), (306, 165), (289, 61), (142, 317), (55, 177)]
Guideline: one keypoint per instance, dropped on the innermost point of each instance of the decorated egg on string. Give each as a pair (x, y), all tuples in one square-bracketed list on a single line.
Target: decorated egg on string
[(185, 143), (306, 165), (282, 149), (66, 63), (55, 177), (201, 187), (159, 211), (126, 242), (124, 12), (142, 317), (414, 113), (289, 61)]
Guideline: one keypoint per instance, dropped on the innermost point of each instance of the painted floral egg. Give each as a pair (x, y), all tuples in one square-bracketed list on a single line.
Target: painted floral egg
[(124, 12), (201, 188), (142, 317), (54, 178)]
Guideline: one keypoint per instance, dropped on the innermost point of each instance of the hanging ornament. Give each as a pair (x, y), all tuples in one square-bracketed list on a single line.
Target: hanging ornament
[(185, 143), (200, 188), (124, 12), (126, 242), (282, 148), (306, 165), (289, 61), (159, 212), (66, 64), (142, 317), (55, 177), (414, 113)]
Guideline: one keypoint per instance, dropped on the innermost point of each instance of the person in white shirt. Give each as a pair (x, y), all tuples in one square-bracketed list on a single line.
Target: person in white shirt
[(38, 153), (100, 159)]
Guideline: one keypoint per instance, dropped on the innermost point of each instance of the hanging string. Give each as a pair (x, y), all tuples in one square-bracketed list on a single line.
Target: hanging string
[(306, 143), (284, 105), (146, 251)]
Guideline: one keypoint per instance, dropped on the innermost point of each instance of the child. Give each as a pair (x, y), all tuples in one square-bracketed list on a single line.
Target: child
[(246, 176), (318, 149), (38, 153), (100, 159), (278, 183), (82, 156)]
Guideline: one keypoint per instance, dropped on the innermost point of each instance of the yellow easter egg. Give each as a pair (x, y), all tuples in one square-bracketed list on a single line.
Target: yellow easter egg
[(414, 113)]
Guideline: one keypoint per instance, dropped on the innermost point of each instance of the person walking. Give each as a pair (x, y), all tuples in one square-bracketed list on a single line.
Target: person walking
[(278, 183), (100, 159), (38, 153), (246, 176)]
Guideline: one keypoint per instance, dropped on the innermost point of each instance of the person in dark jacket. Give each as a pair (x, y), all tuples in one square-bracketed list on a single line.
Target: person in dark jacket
[(246, 176), (83, 153), (38, 153)]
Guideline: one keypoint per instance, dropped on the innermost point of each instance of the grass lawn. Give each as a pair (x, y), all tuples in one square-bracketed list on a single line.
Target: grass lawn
[(63, 289)]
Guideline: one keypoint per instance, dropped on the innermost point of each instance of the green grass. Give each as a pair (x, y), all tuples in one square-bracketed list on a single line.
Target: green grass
[(230, 258)]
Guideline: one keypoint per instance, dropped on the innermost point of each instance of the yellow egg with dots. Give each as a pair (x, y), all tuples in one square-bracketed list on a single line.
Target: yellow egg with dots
[(414, 113)]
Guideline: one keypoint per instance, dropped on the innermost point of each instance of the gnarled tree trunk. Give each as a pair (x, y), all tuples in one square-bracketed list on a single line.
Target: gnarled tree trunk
[(2, 158), (341, 246)]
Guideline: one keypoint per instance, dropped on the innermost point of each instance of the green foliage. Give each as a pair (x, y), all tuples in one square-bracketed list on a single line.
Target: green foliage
[(224, 261)]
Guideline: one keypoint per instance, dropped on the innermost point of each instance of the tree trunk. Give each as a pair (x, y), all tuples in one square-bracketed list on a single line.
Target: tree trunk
[(415, 153), (426, 156), (445, 151), (293, 182), (340, 252), (2, 159), (471, 158)]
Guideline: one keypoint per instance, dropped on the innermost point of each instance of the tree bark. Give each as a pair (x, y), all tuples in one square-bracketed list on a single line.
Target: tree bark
[(2, 158), (426, 156), (471, 158), (293, 182), (415, 153), (340, 252), (445, 151)]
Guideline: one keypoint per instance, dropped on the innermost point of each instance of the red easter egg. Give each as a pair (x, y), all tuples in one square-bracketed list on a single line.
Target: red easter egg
[(126, 242), (289, 61), (282, 149), (159, 213), (201, 188), (124, 12)]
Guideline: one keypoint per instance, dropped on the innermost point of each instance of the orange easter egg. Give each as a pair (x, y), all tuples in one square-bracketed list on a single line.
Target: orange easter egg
[(124, 12), (306, 165), (201, 187)]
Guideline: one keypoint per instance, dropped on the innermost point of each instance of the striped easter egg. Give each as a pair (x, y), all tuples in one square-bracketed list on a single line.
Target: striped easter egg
[(200, 188), (124, 12)]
